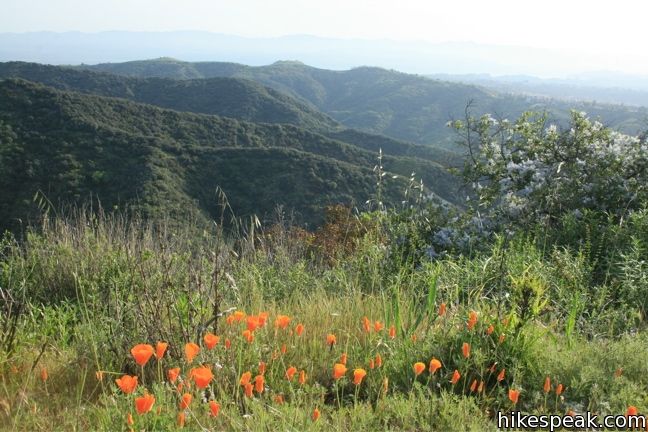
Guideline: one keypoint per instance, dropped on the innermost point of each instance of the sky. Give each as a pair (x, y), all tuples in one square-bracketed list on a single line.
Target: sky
[(614, 31)]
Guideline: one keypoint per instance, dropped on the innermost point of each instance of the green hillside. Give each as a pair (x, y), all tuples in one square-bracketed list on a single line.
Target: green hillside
[(72, 146), (404, 106)]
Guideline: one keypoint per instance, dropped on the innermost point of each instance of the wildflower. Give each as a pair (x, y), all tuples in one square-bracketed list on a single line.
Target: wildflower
[(343, 358), (465, 349), (366, 324), (252, 323), (493, 367), (316, 414), (481, 387), (143, 404), (238, 316), (284, 348), (500, 377), (181, 419), (279, 399), (99, 375), (358, 375), (392, 331), (214, 408), (259, 383), (547, 385), (418, 367), (129, 420), (245, 378), (185, 401), (282, 321), (202, 376), (211, 340), (248, 335), (248, 390), (472, 320), (302, 377), (127, 383), (455, 377), (378, 360), (299, 329), (473, 386), (331, 340), (514, 395), (43, 374), (501, 338), (490, 330), (142, 353), (435, 365), (339, 370), (442, 309), (172, 374), (290, 372), (228, 343), (571, 413), (262, 368), (160, 349), (632, 411), (371, 364), (191, 351), (262, 318), (559, 390), (378, 326)]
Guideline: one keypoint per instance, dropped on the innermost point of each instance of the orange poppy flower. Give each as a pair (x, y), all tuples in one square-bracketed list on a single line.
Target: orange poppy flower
[(372, 364), (490, 330), (238, 316), (185, 401), (252, 323), (214, 408), (127, 383), (181, 419), (316, 414), (501, 338), (228, 344), (299, 329), (191, 351), (435, 365), (279, 399), (419, 367), (571, 413), (172, 374), (282, 321), (442, 309), (248, 390), (302, 377), (547, 385), (259, 383), (339, 370), (392, 331), (366, 324), (473, 386), (143, 404), (343, 358), (211, 340), (358, 375), (202, 376), (160, 349), (481, 387), (456, 376), (262, 318), (262, 368), (129, 419), (43, 374), (493, 367), (465, 349), (514, 395), (559, 390), (378, 326), (245, 378), (331, 340), (248, 336), (501, 375), (632, 411), (290, 372), (142, 353), (472, 320), (378, 360), (284, 348)]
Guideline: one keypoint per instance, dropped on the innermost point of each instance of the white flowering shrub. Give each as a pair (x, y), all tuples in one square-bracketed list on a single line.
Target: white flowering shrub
[(527, 171)]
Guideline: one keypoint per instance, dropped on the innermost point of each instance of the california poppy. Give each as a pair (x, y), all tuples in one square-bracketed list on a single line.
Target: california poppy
[(248, 390), (434, 366), (455, 377), (245, 378), (331, 340), (500, 376), (366, 324), (465, 349), (481, 387), (191, 351), (302, 377), (238, 316), (343, 358), (172, 374), (358, 375), (160, 349), (442, 309), (547, 385), (339, 370), (248, 335), (316, 414), (299, 329), (142, 353), (378, 360), (259, 383), (211, 340), (43, 374), (514, 395), (392, 331), (418, 367), (378, 326), (490, 330), (559, 389), (632, 411), (501, 338), (181, 419), (185, 401), (473, 386), (282, 321), (129, 419), (214, 408), (279, 399), (253, 323), (127, 383), (372, 364), (202, 376), (290, 372), (262, 318), (262, 368), (472, 320), (143, 404), (228, 344)]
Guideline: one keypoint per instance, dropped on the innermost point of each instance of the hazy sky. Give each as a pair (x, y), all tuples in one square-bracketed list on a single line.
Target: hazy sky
[(615, 30)]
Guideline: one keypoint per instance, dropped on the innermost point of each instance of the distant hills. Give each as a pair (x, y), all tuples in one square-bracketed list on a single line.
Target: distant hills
[(403, 106)]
